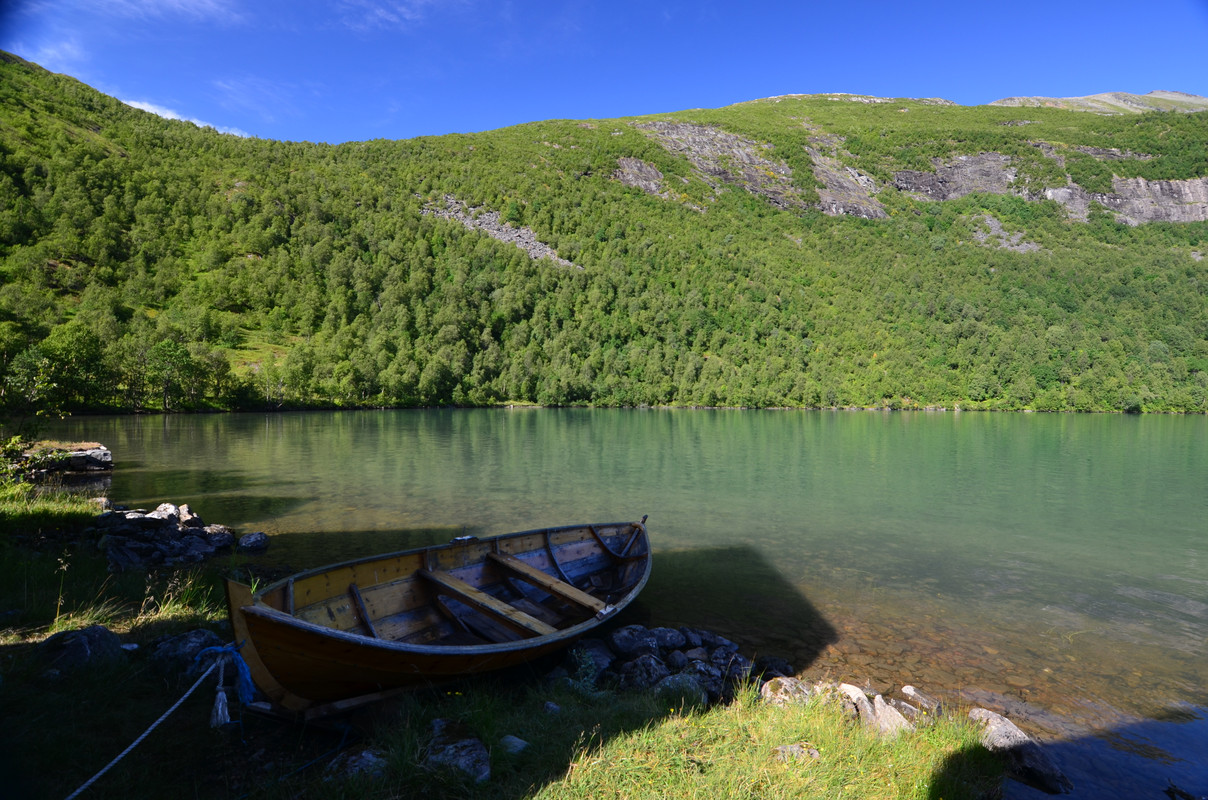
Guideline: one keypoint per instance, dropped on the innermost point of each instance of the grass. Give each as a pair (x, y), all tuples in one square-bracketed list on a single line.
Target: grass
[(58, 731)]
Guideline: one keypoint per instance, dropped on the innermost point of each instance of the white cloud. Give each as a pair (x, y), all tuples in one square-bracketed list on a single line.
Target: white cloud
[(373, 14), (168, 113), (220, 10), (61, 55)]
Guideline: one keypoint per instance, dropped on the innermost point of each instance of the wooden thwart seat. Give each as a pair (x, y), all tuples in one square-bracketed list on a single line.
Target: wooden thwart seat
[(549, 583), (491, 606)]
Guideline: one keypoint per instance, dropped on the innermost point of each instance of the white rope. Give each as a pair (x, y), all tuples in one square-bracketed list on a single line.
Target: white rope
[(139, 740)]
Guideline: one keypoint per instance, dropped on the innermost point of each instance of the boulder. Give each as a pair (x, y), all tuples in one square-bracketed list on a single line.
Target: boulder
[(178, 654), (889, 721), (668, 638), (69, 651), (1026, 761), (682, 689), (369, 763), (454, 747), (591, 657), (784, 691), (643, 672), (859, 704), (253, 542), (633, 641), (513, 744)]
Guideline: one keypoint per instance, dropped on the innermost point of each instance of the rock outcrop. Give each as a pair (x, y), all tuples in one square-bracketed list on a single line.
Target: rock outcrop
[(991, 173), (724, 159), (1135, 200), (845, 190)]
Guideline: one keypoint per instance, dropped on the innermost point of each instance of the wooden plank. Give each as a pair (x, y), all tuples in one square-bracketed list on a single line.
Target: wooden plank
[(547, 582), (481, 601), (361, 610)]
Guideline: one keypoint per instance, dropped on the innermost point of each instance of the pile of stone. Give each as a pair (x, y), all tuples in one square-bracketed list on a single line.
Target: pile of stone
[(697, 665), (166, 537)]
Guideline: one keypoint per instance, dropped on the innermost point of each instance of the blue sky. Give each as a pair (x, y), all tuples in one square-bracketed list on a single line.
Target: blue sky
[(344, 70)]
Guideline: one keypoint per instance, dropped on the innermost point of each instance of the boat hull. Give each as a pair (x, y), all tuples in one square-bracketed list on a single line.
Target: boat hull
[(427, 616)]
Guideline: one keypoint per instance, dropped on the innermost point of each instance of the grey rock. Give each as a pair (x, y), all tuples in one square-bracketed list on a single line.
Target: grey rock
[(683, 688), (643, 672), (711, 679), (990, 173), (178, 654), (592, 655), (94, 459), (923, 700), (796, 752), (691, 637), (253, 542), (455, 747), (676, 660), (551, 707), (72, 650), (513, 744), (668, 638), (220, 536), (632, 641), (189, 518), (369, 763), (784, 691), (1027, 762), (859, 703), (492, 224), (889, 721)]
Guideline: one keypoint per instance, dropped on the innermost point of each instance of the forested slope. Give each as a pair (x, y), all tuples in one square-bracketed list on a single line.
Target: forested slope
[(799, 251)]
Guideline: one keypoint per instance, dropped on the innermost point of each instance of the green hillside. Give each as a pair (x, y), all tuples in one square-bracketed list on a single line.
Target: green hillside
[(798, 251)]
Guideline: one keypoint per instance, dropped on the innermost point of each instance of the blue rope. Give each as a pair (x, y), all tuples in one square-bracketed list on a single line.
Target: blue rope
[(243, 676)]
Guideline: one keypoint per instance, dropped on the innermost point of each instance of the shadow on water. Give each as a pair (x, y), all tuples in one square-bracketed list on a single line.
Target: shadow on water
[(1163, 756)]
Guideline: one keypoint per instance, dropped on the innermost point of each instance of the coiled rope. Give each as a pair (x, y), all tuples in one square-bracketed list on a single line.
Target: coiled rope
[(245, 697)]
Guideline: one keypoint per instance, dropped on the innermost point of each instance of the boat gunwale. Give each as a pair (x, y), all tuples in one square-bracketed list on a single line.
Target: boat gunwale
[(433, 547)]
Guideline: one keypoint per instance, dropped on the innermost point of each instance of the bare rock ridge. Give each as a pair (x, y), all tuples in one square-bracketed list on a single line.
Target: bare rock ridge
[(1115, 102)]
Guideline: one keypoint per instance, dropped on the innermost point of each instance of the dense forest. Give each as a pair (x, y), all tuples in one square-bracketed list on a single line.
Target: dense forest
[(149, 264)]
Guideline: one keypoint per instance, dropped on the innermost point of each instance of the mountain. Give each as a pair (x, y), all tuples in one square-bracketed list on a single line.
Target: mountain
[(1116, 102), (807, 250)]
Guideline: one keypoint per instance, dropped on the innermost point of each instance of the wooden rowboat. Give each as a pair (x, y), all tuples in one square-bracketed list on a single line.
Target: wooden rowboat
[(349, 632)]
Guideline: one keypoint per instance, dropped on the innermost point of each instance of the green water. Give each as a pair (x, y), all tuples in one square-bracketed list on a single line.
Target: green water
[(1056, 565)]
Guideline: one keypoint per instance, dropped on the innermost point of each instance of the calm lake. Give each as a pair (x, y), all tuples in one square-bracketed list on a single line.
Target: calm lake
[(1051, 566)]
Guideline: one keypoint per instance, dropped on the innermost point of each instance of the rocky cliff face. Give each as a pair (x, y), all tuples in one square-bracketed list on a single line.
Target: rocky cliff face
[(1136, 200), (723, 159), (991, 173)]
